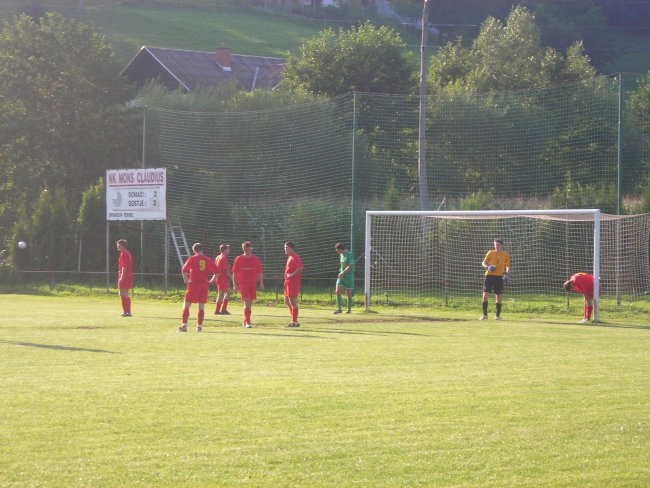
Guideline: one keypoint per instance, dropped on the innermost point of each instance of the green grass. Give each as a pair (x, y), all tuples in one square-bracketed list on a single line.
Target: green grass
[(407, 397), (246, 31)]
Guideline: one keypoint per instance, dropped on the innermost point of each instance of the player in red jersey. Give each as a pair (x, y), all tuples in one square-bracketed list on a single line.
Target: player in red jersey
[(124, 276), (196, 275), (224, 279), (292, 279), (582, 283), (247, 270)]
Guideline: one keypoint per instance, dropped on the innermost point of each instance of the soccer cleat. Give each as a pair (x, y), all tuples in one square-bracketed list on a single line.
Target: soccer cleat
[(498, 317), (584, 321), (349, 311), (224, 312), (199, 328), (246, 325), (293, 325), (483, 317), (182, 328), (336, 312), (125, 314)]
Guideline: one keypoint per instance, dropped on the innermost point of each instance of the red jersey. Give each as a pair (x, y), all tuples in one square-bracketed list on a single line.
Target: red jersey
[(199, 267), (293, 263), (125, 261), (583, 283), (246, 268), (223, 266)]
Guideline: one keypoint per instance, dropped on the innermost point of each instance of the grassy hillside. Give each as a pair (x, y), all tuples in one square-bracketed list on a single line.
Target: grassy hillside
[(204, 24), (250, 31)]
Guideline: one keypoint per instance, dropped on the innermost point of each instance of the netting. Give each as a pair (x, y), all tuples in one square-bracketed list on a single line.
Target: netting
[(440, 255), (308, 173)]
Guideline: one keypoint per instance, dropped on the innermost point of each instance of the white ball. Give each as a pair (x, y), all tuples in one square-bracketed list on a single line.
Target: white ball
[(22, 244)]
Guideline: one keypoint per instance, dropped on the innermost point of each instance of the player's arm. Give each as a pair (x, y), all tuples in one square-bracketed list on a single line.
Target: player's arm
[(487, 265), (260, 278)]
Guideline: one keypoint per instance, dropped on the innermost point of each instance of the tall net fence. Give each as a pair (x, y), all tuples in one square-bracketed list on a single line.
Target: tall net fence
[(308, 173)]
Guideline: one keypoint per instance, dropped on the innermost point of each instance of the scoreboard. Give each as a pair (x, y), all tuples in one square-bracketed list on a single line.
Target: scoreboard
[(136, 194)]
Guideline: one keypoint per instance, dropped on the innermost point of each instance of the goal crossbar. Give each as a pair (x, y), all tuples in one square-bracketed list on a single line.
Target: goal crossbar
[(566, 214)]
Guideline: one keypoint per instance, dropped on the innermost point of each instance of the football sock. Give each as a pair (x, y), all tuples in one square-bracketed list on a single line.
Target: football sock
[(349, 303), (199, 317), (217, 308), (485, 308), (224, 305), (498, 309), (128, 305), (339, 301), (588, 312), (294, 314), (123, 300), (247, 315), (186, 315)]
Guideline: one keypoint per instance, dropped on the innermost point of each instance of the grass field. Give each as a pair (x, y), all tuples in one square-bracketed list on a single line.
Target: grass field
[(408, 397)]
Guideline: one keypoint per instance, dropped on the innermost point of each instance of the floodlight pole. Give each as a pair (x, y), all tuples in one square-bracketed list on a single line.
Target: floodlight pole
[(422, 166)]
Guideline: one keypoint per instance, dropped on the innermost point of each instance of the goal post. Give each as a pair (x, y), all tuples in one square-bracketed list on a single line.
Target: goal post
[(439, 252)]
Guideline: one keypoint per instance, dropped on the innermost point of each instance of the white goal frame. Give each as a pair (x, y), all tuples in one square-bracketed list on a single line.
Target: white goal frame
[(595, 215)]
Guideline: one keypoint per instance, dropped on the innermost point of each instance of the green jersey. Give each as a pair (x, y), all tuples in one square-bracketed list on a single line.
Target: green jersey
[(348, 279)]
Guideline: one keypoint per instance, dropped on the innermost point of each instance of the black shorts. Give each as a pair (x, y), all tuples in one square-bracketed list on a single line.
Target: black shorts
[(494, 284)]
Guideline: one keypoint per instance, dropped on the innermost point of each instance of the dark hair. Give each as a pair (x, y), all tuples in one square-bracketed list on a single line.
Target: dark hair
[(568, 285), (500, 241), (197, 247), (122, 242), (339, 245), (223, 247), (290, 244), (246, 244)]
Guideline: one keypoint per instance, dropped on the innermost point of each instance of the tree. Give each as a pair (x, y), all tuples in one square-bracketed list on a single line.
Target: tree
[(506, 56), (63, 119), (366, 59)]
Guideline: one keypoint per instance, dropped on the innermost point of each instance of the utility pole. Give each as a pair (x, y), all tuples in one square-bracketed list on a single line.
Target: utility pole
[(422, 162)]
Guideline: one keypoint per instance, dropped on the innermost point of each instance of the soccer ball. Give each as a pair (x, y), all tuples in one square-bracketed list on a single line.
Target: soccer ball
[(22, 244)]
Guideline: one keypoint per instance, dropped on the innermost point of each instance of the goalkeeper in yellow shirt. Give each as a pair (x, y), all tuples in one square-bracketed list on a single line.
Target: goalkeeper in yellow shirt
[(497, 272)]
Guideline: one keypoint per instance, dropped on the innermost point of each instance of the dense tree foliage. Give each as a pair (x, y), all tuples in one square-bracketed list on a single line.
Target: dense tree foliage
[(366, 59), (62, 115), (506, 56)]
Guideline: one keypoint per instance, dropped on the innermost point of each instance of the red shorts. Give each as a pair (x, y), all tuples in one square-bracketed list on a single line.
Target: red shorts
[(248, 291), (291, 288), (223, 284), (197, 293), (126, 284)]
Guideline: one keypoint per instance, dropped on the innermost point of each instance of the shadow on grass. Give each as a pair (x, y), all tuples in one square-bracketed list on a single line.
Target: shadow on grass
[(597, 324), (57, 347)]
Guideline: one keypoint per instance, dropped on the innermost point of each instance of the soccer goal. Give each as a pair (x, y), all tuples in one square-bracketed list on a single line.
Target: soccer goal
[(438, 254)]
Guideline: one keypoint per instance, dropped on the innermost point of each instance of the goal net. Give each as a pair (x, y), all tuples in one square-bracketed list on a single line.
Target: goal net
[(420, 255)]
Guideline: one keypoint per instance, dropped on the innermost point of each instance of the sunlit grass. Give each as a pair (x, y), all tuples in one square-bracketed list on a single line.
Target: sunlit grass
[(399, 397)]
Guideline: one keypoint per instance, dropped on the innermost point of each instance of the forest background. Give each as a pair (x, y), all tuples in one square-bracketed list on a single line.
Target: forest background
[(66, 116)]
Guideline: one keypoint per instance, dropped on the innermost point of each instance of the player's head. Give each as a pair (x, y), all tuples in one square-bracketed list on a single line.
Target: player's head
[(121, 243), (289, 247), (224, 248), (339, 247), (568, 286), (498, 244), (197, 247), (247, 247)]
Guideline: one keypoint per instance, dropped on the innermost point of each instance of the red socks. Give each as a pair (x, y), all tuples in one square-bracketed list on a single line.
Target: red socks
[(126, 304)]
